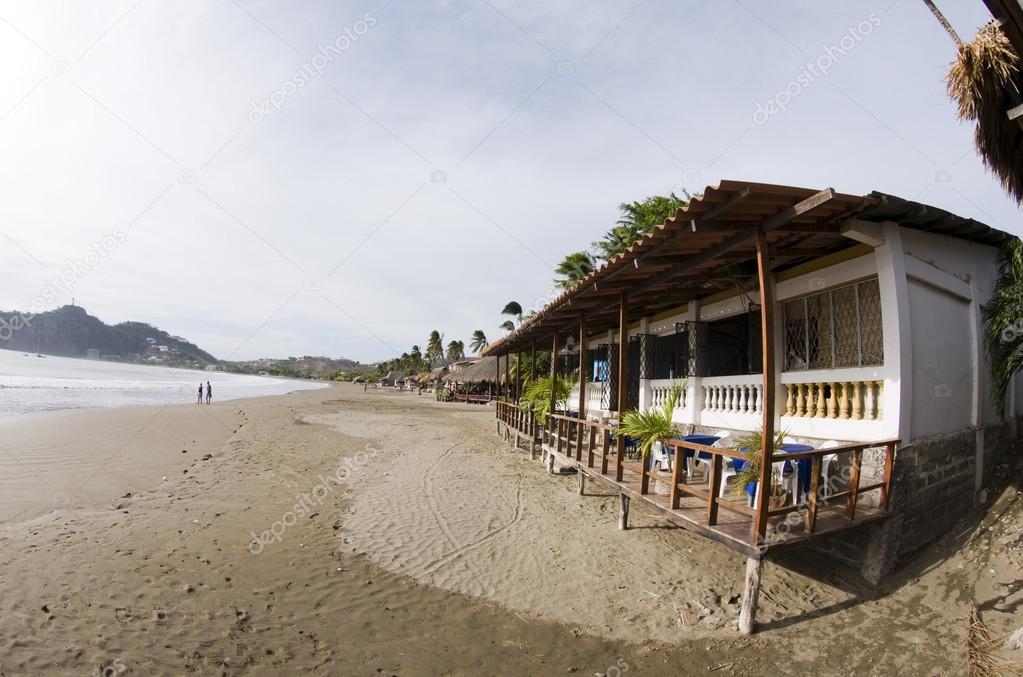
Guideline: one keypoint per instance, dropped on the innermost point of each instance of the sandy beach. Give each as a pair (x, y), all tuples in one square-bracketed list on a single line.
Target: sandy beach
[(339, 532)]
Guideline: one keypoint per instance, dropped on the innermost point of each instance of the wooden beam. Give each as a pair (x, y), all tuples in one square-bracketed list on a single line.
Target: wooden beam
[(767, 419)]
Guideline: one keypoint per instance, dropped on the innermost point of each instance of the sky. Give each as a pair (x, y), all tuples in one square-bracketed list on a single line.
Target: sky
[(340, 178)]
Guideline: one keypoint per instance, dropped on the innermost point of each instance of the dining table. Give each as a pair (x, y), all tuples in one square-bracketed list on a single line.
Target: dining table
[(804, 466)]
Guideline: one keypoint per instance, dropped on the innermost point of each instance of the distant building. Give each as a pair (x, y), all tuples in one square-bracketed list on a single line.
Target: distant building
[(211, 367), (92, 354), (163, 349)]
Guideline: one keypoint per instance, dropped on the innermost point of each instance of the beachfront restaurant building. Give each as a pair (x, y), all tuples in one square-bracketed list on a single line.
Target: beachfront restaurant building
[(849, 325)]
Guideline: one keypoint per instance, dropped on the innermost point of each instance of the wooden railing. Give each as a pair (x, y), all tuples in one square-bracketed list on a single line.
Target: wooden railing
[(820, 491), (856, 400), (516, 418)]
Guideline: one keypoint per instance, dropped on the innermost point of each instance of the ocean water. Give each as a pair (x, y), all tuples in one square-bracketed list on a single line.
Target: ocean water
[(29, 384)]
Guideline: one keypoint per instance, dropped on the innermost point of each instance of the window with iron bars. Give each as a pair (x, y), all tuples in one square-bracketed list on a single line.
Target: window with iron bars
[(837, 328)]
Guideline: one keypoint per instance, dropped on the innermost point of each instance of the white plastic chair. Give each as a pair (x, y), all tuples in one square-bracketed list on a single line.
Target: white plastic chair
[(659, 456), (826, 462), (695, 461)]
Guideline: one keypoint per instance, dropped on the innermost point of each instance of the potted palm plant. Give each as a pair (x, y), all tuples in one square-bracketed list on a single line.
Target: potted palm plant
[(752, 444), (653, 425), (537, 397)]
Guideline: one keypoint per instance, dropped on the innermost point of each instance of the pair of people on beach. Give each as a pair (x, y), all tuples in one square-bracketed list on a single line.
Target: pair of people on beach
[(209, 393)]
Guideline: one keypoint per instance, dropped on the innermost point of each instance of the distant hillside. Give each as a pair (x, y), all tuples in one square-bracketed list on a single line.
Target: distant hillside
[(69, 331), (308, 366)]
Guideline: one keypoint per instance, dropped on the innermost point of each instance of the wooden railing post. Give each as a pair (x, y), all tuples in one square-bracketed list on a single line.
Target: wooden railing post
[(854, 485), (605, 450), (815, 480), (715, 489), (676, 476), (889, 463), (589, 447), (644, 475)]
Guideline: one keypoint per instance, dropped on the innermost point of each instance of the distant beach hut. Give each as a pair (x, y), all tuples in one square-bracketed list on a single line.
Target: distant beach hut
[(475, 380), (392, 379)]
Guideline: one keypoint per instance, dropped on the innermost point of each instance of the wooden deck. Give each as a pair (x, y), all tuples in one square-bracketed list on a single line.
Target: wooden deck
[(693, 502), (733, 528)]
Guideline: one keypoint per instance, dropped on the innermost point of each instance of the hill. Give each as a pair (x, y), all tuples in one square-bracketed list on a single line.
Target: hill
[(70, 331)]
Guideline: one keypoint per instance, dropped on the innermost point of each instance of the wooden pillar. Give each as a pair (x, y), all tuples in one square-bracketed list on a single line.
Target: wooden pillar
[(623, 377), (750, 594), (518, 376), (582, 482), (497, 377), (554, 372), (767, 415), (532, 362), (507, 376), (623, 511), (583, 359)]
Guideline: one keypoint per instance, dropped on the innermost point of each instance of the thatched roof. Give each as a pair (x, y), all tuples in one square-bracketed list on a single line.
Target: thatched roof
[(985, 83), (485, 369)]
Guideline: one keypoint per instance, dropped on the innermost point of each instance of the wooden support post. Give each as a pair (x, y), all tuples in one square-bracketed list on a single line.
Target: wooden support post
[(532, 361), (497, 377), (623, 511), (623, 377), (582, 482), (583, 372), (550, 463), (750, 594), (507, 377), (554, 372), (767, 418)]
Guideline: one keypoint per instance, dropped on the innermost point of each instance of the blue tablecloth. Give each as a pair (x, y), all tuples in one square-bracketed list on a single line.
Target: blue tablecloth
[(804, 466), (698, 439)]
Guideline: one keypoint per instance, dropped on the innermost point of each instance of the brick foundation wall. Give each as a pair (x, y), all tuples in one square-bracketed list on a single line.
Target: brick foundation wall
[(933, 486)]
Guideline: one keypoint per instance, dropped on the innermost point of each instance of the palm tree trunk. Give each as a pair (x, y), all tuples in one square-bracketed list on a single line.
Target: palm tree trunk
[(944, 22)]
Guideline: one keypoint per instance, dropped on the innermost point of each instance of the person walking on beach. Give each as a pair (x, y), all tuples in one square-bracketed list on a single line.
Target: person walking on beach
[(199, 399), (209, 392)]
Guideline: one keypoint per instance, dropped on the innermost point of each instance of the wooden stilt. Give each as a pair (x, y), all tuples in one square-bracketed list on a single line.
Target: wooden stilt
[(582, 483), (623, 511), (550, 464), (750, 594)]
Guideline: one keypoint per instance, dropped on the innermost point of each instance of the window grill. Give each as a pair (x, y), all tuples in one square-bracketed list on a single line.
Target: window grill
[(837, 328)]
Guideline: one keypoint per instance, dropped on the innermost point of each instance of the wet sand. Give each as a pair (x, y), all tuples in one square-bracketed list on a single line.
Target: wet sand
[(342, 533)]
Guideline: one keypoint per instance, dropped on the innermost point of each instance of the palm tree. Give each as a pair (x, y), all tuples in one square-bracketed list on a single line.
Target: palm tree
[(574, 267), (456, 351), (513, 308), (637, 220), (1003, 322), (435, 347), (479, 341)]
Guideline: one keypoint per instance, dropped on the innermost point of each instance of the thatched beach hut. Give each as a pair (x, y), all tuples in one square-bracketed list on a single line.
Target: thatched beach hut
[(476, 381)]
